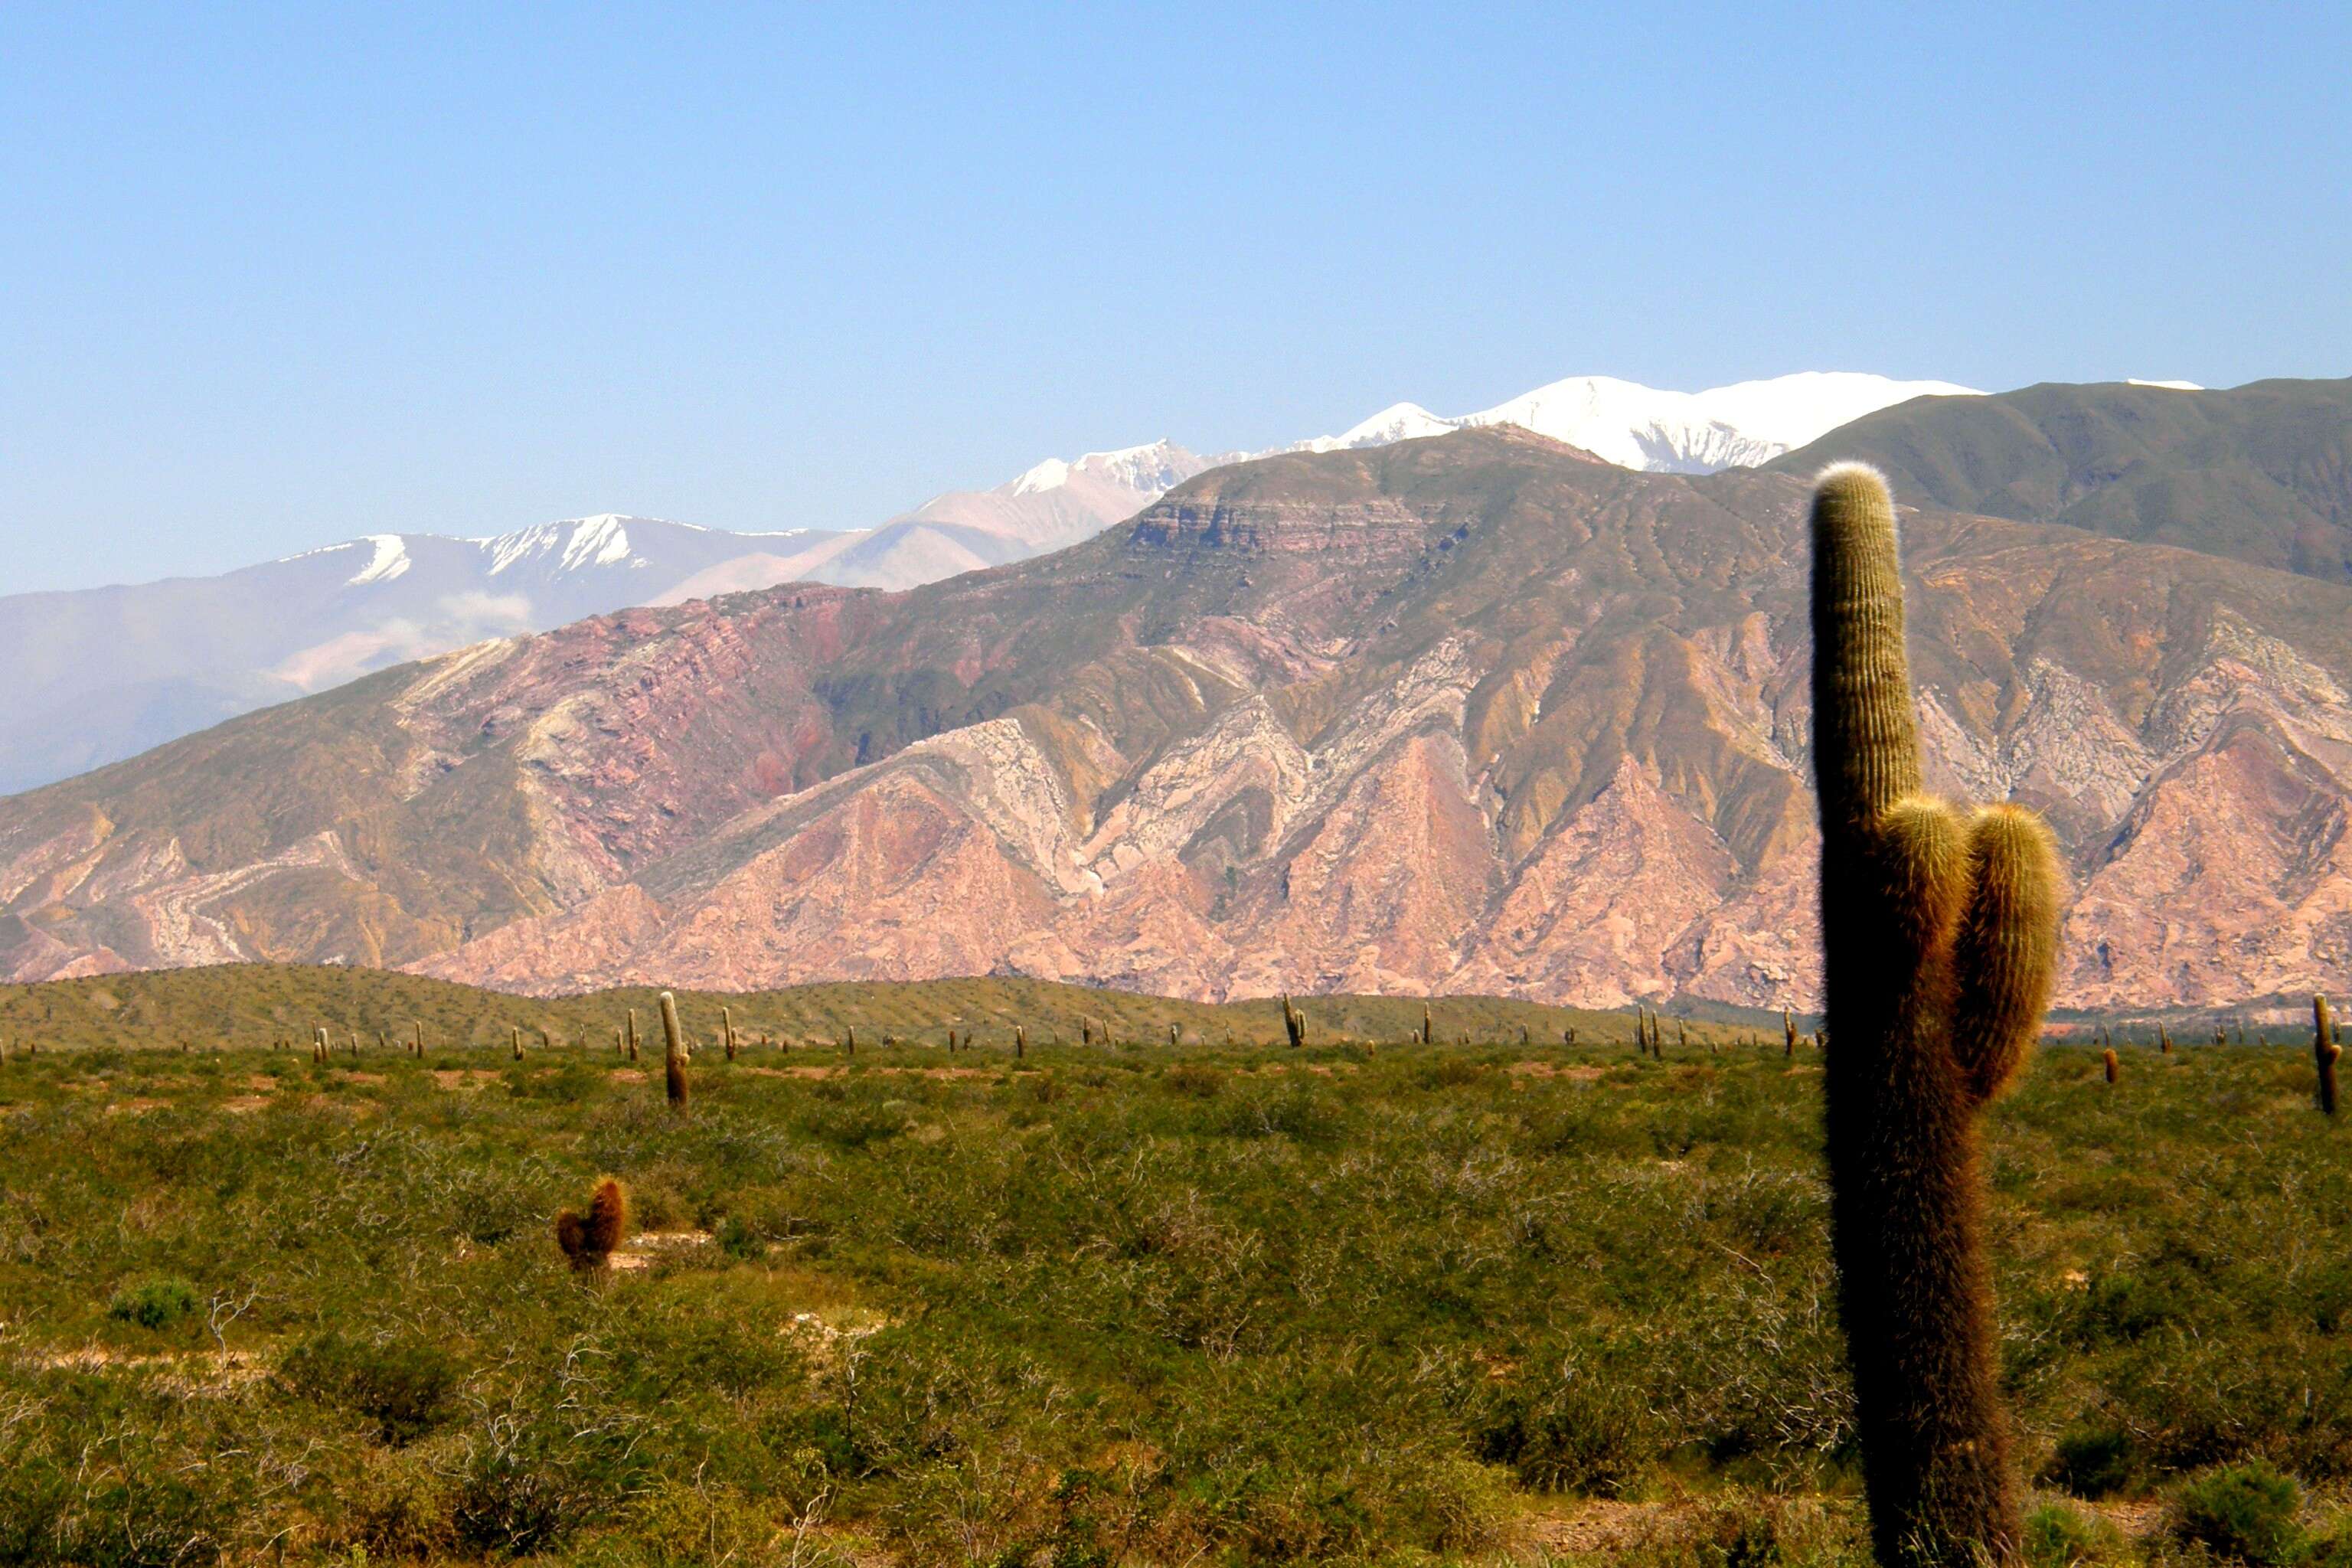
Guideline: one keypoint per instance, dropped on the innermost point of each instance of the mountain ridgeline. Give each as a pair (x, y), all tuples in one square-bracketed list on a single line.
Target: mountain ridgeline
[(1471, 714), (2261, 473)]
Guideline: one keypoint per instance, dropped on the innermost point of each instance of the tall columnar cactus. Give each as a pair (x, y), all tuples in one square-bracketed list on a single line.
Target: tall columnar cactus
[(1020, 1040), (2325, 1049), (673, 1052), (1788, 1033), (629, 1033), (2163, 1040), (1427, 1034), (1940, 935), (518, 1042), (1293, 1025), (727, 1029), (2107, 1059)]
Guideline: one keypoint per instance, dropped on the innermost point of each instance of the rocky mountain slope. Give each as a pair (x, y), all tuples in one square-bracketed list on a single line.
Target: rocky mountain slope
[(1473, 713), (2261, 473), (100, 673), (105, 673)]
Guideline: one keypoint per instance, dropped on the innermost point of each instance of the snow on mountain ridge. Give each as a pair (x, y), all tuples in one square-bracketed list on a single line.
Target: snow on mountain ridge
[(1637, 427), (390, 560), (1153, 467)]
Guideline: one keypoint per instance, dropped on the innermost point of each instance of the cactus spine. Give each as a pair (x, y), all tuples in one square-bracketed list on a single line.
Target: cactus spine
[(1939, 933), (2325, 1049), (673, 1052)]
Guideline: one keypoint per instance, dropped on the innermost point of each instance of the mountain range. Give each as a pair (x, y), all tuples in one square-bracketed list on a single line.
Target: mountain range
[(105, 673), (1473, 712)]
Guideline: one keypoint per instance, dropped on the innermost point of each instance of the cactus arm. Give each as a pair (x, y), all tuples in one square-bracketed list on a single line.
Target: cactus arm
[(2007, 954)]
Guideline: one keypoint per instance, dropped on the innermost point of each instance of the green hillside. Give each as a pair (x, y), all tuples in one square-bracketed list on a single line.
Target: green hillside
[(2260, 473), (258, 1006)]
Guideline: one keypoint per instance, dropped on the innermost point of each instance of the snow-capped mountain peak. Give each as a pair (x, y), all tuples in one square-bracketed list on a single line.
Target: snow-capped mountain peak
[(1638, 426), (1150, 467), (574, 543)]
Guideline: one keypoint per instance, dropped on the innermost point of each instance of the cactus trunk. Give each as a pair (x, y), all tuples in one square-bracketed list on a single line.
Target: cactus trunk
[(1939, 933)]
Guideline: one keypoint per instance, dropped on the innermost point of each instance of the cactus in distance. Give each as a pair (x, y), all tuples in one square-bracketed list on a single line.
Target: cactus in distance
[(1938, 936), (673, 1054), (2326, 1052), (2108, 1058), (1294, 1024)]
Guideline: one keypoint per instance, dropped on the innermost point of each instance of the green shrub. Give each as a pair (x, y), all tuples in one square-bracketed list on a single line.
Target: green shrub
[(1587, 1433), (2057, 1536), (156, 1303), (402, 1389), (2093, 1461), (2246, 1512)]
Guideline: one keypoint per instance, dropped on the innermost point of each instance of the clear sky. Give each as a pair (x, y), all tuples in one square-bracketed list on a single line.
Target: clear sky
[(273, 277)]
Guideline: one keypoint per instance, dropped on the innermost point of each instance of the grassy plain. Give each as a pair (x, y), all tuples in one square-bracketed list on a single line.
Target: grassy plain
[(1478, 1303)]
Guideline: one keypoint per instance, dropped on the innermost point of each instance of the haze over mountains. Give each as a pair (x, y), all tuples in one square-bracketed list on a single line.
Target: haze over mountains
[(1472, 712), (105, 673)]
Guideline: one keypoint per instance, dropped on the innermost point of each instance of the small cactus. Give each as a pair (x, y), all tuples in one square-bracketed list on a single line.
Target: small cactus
[(674, 1053), (588, 1239)]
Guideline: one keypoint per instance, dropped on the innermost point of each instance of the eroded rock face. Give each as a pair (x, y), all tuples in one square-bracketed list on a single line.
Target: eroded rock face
[(1471, 714)]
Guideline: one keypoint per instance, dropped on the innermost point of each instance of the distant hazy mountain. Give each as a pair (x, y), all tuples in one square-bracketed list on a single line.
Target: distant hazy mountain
[(1637, 427), (99, 673), (2261, 473), (1053, 504)]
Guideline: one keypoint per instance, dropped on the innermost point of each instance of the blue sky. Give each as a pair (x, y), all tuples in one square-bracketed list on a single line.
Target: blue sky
[(277, 276)]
